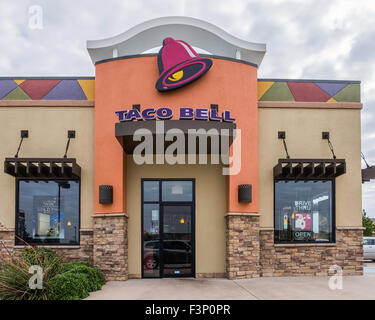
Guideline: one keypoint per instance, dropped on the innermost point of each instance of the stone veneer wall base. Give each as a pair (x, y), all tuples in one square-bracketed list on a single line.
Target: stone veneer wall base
[(312, 260), (250, 252), (82, 252), (6, 242), (243, 249), (111, 245)]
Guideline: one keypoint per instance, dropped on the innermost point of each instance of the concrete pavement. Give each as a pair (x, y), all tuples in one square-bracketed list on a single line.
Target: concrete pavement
[(289, 288)]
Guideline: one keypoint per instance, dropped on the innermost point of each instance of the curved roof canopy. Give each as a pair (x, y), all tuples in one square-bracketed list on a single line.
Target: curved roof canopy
[(197, 33)]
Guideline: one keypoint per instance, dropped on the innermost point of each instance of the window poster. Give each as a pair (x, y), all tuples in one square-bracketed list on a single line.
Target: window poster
[(303, 205), (155, 215), (285, 221), (303, 221), (316, 221), (154, 222), (48, 217)]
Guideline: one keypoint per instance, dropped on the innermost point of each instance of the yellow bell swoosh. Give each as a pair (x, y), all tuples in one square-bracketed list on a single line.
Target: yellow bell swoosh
[(176, 76)]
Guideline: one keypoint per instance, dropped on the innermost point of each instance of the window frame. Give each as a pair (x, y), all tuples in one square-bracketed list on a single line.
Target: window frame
[(333, 214), (46, 244)]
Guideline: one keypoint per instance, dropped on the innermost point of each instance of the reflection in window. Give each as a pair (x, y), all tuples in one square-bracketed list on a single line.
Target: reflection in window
[(303, 211), (150, 190), (48, 212), (177, 191), (151, 239)]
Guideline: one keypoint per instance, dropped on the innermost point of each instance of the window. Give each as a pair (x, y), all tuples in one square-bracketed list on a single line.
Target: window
[(368, 242), (177, 190), (151, 191), (304, 211), (48, 212)]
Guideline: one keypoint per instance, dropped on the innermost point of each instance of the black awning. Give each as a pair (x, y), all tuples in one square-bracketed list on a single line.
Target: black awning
[(309, 169), (42, 168), (125, 131)]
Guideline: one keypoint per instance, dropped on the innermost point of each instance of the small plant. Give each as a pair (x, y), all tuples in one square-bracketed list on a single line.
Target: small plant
[(94, 276), (69, 281), (15, 275), (71, 265), (70, 286), (65, 285), (48, 259)]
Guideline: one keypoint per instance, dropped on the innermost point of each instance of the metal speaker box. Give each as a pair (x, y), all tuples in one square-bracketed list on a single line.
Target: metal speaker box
[(105, 194), (244, 193)]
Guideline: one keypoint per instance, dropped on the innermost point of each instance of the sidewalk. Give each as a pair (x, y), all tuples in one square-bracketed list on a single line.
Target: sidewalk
[(288, 288)]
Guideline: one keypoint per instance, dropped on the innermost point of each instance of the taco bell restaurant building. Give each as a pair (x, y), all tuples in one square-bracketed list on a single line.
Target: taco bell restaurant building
[(104, 169)]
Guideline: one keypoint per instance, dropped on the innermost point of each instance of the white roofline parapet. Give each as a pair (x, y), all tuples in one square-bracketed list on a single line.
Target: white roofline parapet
[(197, 33)]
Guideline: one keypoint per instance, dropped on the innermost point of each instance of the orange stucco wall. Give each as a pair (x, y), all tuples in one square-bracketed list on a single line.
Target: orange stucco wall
[(121, 83)]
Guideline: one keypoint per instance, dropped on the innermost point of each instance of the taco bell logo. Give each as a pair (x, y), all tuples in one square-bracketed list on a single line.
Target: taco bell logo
[(179, 65)]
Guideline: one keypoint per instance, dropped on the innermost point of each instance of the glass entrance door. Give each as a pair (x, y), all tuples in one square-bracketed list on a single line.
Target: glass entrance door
[(177, 240), (168, 228)]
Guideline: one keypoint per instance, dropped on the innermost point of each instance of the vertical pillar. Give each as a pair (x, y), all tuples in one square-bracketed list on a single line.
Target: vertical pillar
[(243, 246), (111, 245)]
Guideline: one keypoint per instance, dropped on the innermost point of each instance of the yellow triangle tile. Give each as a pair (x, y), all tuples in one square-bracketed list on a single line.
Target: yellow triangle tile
[(19, 81), (263, 86), (331, 100), (88, 87)]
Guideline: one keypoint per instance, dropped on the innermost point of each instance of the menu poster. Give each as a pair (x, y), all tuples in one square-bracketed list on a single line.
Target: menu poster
[(303, 221), (154, 229), (48, 217)]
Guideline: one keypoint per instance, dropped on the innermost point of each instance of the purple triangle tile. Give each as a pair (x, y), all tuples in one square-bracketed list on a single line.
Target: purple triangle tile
[(331, 87), (66, 90), (6, 86)]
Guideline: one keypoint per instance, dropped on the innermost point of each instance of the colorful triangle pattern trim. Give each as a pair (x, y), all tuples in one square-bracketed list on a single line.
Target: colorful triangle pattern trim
[(47, 89), (268, 90), (308, 91)]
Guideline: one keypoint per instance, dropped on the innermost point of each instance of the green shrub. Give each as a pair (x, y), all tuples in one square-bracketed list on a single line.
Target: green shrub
[(69, 281), (47, 258), (93, 276), (15, 276), (70, 286), (71, 265)]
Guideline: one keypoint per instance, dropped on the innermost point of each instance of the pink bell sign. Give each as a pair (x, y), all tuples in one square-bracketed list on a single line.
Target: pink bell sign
[(179, 64)]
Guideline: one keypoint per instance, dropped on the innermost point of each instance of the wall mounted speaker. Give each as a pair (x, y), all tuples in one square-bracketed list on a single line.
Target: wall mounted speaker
[(244, 193), (105, 194)]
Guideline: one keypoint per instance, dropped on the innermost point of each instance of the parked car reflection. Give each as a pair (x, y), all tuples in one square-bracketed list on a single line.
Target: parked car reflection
[(176, 252)]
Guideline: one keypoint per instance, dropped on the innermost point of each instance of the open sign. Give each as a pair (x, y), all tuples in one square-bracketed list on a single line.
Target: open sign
[(302, 235)]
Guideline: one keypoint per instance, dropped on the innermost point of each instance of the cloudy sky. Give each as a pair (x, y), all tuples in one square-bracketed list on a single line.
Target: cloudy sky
[(324, 39)]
